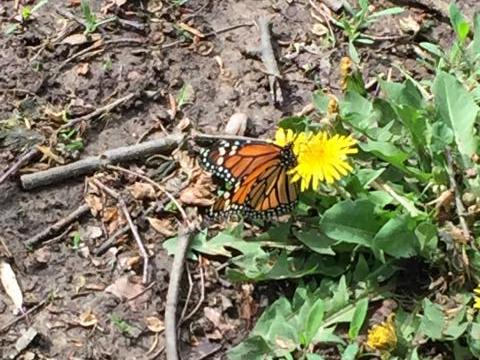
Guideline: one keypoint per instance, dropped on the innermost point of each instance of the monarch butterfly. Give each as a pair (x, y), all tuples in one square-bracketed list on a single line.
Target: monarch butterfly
[(259, 172)]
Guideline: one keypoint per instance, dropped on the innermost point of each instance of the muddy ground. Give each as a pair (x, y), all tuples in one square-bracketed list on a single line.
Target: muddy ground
[(44, 73)]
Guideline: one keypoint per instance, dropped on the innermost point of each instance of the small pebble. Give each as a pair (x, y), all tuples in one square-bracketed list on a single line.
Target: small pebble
[(236, 125)]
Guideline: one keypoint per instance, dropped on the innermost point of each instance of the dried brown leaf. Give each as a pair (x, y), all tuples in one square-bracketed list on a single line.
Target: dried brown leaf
[(213, 314), (75, 39), (154, 324), (110, 214), (456, 233), (248, 306), (87, 319), (82, 69), (142, 191), (162, 226), (124, 288), (94, 202), (200, 192), (49, 154), (443, 201)]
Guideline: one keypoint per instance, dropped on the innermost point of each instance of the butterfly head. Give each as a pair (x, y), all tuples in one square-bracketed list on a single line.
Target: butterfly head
[(288, 158)]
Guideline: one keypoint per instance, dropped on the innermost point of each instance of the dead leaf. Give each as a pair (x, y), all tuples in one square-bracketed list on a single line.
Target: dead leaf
[(184, 124), (409, 25), (191, 30), (110, 214), (80, 282), (132, 261), (248, 306), (154, 324), (213, 314), (215, 335), (142, 191), (200, 192), (284, 343), (163, 226), (95, 287), (57, 115), (124, 288), (10, 284), (49, 154), (319, 29), (74, 3), (94, 202), (42, 255), (87, 319), (456, 233), (82, 69), (94, 232), (75, 39), (443, 201)]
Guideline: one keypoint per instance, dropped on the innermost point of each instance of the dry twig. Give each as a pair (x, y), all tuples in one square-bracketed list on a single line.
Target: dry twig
[(202, 294), (184, 235), (24, 315), (100, 111), (133, 227), (18, 164), (268, 59), (58, 226), (93, 163), (122, 231)]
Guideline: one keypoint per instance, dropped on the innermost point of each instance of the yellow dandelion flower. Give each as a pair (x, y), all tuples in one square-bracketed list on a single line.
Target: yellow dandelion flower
[(476, 297), (322, 158), (383, 336), (284, 137)]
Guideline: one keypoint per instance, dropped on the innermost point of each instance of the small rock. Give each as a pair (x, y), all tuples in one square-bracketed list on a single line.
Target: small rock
[(94, 232), (237, 124), (26, 339)]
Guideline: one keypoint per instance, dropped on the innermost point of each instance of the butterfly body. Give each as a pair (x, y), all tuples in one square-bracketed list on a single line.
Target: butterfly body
[(259, 173)]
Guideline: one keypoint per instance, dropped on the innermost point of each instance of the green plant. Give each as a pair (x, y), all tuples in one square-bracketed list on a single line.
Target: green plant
[(354, 22), (71, 141), (123, 326), (76, 241), (91, 21), (28, 11), (463, 58)]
